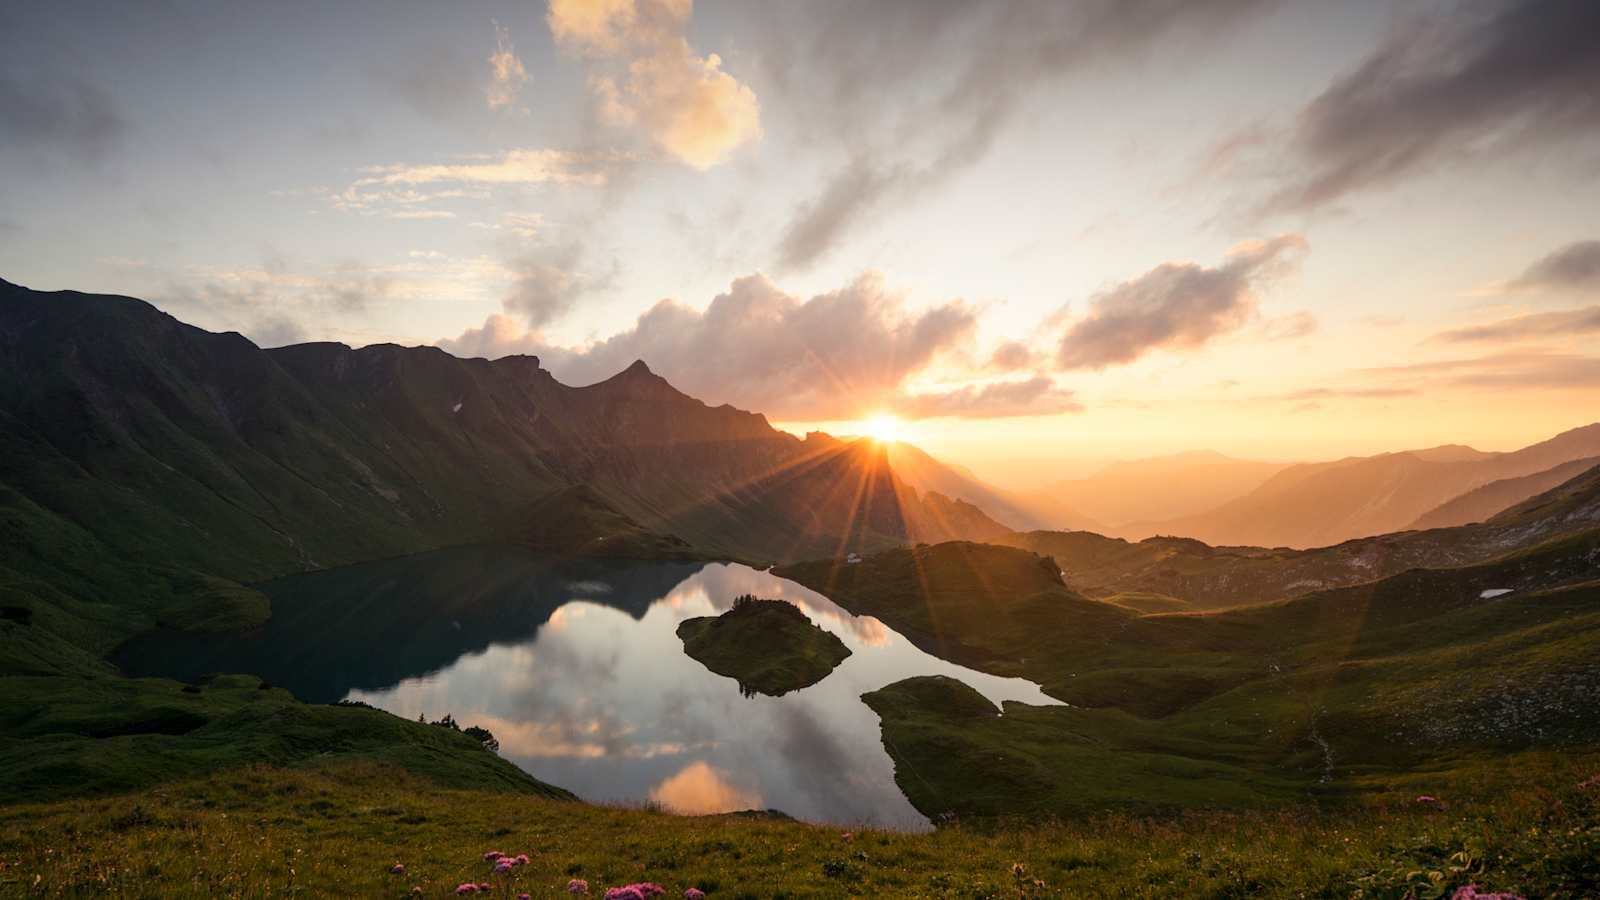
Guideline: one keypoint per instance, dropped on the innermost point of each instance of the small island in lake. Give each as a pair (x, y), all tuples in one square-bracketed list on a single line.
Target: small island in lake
[(768, 646)]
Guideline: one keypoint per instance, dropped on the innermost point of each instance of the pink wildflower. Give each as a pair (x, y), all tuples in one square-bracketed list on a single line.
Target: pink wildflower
[(492, 855), (485, 886), (694, 894), (1471, 892), (847, 836), (524, 897), (1587, 783), (577, 886), (623, 893), (466, 888), (397, 869), (1428, 800), (521, 860), (503, 865)]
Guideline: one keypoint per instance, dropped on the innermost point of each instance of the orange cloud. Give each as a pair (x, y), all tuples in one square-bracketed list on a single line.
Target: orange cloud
[(648, 77)]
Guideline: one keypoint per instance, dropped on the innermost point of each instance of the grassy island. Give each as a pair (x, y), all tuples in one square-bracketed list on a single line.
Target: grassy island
[(768, 646)]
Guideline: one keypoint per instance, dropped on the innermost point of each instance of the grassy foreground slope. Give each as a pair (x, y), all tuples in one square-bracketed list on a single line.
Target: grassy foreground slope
[(1525, 826)]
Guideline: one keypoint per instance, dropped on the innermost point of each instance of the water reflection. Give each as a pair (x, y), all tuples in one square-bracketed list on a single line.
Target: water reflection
[(580, 674)]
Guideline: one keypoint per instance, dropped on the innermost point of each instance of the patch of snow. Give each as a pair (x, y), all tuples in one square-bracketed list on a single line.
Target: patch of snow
[(1494, 592)]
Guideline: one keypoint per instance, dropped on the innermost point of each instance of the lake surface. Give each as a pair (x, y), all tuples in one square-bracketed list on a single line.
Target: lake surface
[(579, 672)]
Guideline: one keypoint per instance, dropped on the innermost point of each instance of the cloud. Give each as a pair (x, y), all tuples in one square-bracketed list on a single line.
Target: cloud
[(701, 789), (1013, 356), (1530, 370), (645, 75), (1288, 328), (270, 305), (547, 283), (1564, 323), (1575, 266), (56, 114), (1037, 396), (1309, 394), (436, 80), (1477, 79), (837, 355), (1175, 306), (506, 73), (520, 166), (871, 77)]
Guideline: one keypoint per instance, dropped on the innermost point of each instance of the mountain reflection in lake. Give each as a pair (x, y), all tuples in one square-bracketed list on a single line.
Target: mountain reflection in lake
[(578, 670)]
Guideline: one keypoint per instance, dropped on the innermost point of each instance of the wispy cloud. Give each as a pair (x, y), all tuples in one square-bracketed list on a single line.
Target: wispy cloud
[(1036, 396), (1175, 305), (1478, 79), (1573, 267), (506, 72), (1563, 323)]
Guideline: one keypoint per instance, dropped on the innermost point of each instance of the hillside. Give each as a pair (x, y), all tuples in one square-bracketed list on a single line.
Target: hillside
[(1163, 487), (1326, 695), (1190, 574), (1484, 502), (1318, 504), (200, 449), (1021, 512)]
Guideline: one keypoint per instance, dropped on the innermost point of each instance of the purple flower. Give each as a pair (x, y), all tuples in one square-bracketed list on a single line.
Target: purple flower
[(1471, 892), (485, 886), (492, 855), (523, 897), (397, 869), (466, 888), (694, 894), (521, 859), (1428, 800), (577, 886), (503, 865)]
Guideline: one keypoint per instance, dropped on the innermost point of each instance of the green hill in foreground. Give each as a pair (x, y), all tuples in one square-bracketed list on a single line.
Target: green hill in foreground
[(768, 646), (1519, 824)]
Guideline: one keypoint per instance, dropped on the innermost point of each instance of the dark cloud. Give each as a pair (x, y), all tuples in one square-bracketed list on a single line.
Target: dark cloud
[(1538, 325), (58, 114), (1478, 78), (871, 78), (439, 81), (1574, 266), (1037, 396), (547, 283), (1175, 305), (835, 355)]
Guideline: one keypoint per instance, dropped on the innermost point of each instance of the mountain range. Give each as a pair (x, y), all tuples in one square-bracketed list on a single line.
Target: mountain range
[(165, 441)]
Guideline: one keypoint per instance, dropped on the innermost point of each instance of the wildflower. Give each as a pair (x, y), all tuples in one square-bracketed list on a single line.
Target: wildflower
[(521, 860), (416, 890), (485, 886), (1587, 783), (577, 886), (397, 869), (847, 837), (1428, 800), (694, 894), (623, 893), (492, 855), (466, 888), (1471, 892), (524, 897), (503, 865)]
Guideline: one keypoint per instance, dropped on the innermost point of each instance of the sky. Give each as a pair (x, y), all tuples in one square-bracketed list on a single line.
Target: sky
[(1029, 230)]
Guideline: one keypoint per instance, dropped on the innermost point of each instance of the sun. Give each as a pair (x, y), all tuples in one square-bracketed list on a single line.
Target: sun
[(883, 429)]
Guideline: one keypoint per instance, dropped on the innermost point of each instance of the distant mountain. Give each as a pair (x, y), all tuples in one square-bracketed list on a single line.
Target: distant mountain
[(1019, 512), (1483, 502), (1162, 487), (160, 441), (1183, 573), (1318, 504)]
